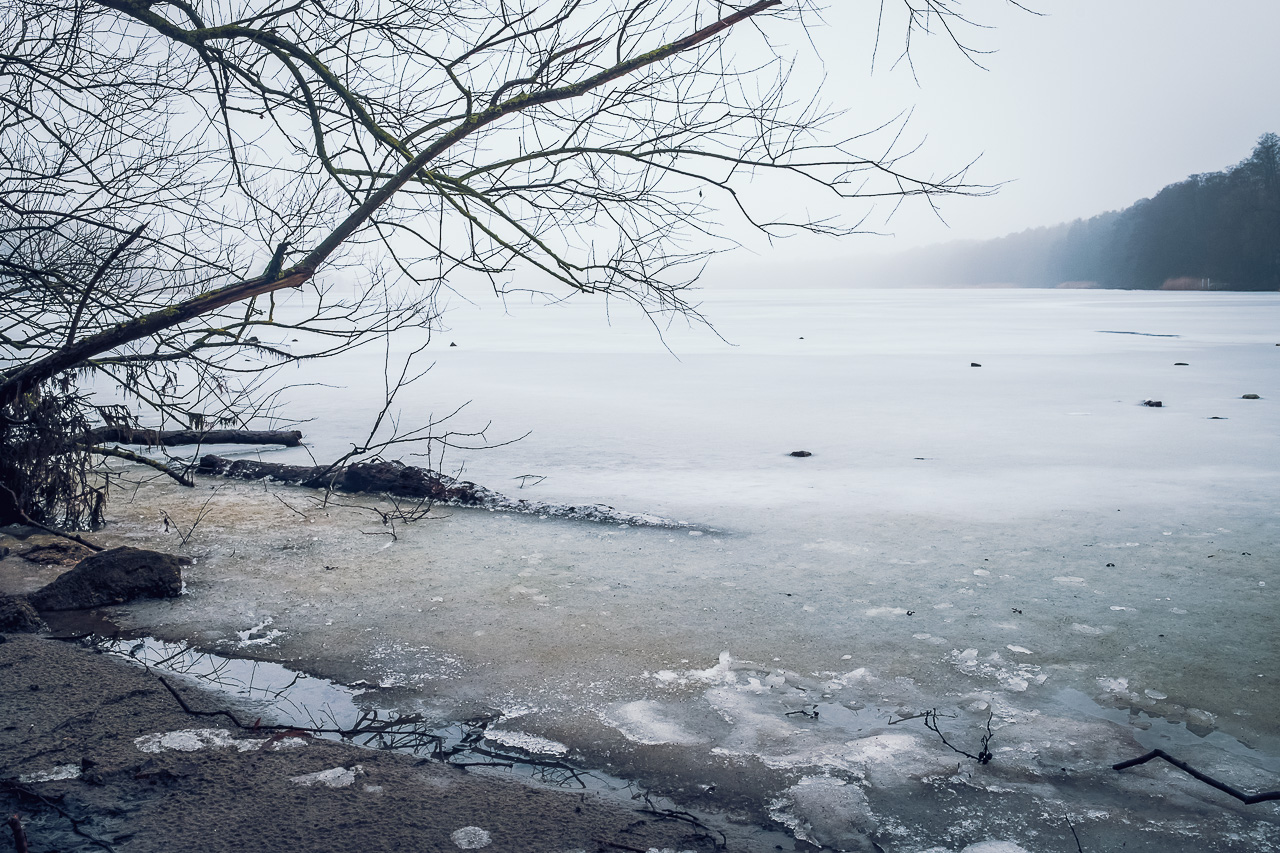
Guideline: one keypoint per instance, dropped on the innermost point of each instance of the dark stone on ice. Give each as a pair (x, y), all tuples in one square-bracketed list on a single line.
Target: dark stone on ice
[(801, 453), (1155, 404), (1250, 397), (113, 577), (18, 616)]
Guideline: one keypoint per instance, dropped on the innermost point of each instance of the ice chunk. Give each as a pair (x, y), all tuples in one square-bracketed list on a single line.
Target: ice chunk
[(646, 721), (471, 838), (527, 742), (62, 771), (335, 777), (193, 740), (826, 812)]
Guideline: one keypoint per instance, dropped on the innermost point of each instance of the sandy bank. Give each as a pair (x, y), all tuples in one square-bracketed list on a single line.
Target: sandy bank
[(209, 787)]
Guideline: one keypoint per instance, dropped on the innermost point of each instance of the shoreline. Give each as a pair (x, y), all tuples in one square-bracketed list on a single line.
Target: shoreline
[(143, 774)]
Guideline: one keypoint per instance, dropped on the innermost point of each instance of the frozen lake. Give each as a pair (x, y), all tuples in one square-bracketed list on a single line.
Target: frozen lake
[(1021, 544)]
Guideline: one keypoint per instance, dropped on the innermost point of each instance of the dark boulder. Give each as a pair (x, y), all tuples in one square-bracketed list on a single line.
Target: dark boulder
[(113, 577), (17, 616)]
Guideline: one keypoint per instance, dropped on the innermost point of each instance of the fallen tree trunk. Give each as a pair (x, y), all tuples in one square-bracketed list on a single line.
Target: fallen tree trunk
[(406, 481), (391, 478), (175, 437)]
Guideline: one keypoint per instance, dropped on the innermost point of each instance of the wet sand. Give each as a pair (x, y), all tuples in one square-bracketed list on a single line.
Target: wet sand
[(207, 786)]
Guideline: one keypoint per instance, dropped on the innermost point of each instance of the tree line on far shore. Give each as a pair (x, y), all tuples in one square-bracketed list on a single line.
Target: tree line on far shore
[(1214, 231)]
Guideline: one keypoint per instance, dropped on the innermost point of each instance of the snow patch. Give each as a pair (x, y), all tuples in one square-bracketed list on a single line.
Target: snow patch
[(471, 838), (335, 777), (193, 740), (56, 774)]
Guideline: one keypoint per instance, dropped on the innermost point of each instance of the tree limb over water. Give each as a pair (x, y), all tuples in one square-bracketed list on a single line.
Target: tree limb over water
[(172, 172)]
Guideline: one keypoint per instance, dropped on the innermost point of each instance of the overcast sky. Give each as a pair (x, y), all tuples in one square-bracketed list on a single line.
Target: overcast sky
[(1089, 107)]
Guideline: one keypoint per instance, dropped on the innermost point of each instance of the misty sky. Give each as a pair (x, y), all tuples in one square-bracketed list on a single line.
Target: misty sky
[(1089, 107)]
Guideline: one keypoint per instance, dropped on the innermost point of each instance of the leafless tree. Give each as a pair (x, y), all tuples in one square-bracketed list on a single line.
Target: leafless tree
[(169, 169)]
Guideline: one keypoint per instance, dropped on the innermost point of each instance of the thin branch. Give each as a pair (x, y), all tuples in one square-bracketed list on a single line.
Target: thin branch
[(121, 453), (1247, 799), (26, 519)]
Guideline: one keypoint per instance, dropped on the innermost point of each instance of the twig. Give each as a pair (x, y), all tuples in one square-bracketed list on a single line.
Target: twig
[(1071, 826), (930, 718), (121, 453), (286, 503), (464, 764), (1247, 799), (19, 834), (685, 817), (26, 519), (23, 791), (230, 716), (204, 509)]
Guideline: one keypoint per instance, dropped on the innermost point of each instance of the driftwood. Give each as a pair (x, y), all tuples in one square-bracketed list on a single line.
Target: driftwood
[(175, 437), (391, 478)]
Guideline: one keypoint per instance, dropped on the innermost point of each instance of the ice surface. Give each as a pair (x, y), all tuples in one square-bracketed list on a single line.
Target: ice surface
[(960, 540)]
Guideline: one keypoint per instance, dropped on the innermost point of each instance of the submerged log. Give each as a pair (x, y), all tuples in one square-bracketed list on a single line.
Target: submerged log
[(175, 437), (391, 478)]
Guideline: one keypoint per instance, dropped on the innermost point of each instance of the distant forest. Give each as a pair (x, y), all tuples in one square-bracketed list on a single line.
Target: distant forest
[(1218, 231)]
